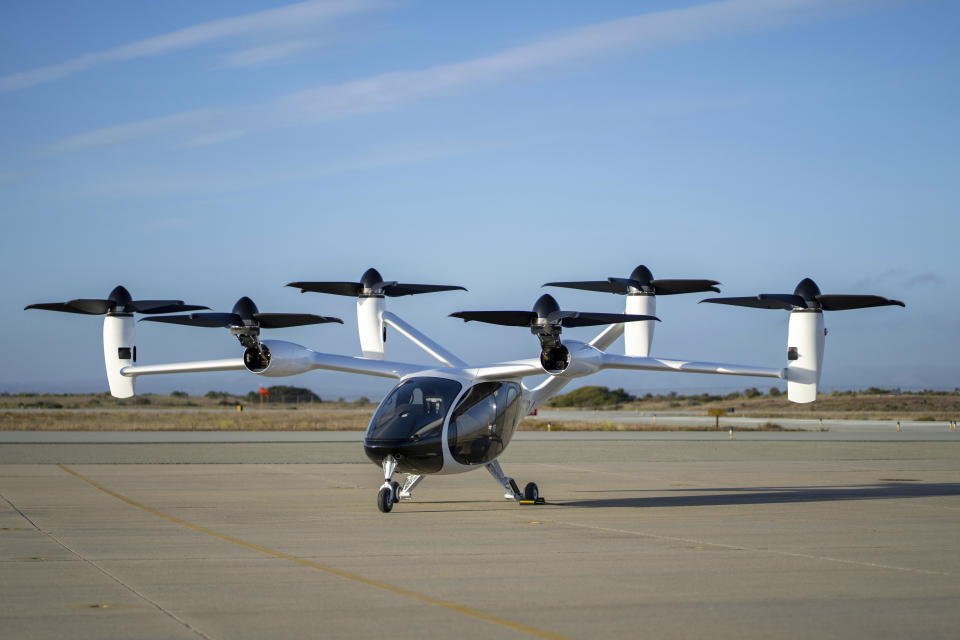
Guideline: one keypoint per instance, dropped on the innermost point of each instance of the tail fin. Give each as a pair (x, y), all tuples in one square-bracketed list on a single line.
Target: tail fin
[(119, 351), (805, 339)]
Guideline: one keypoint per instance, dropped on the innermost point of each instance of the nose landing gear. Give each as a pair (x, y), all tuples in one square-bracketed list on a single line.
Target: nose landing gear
[(392, 492), (389, 493)]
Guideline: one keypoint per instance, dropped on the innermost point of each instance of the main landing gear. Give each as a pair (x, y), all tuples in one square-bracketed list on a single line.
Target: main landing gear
[(530, 495), (391, 492)]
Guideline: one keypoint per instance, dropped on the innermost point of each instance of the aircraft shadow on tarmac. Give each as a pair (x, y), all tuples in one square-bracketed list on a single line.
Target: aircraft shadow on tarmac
[(772, 495)]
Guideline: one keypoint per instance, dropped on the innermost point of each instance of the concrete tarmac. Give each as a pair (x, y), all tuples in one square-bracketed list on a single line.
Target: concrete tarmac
[(640, 538)]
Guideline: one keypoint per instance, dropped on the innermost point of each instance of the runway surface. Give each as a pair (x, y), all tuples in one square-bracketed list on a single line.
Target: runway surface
[(687, 418), (659, 538)]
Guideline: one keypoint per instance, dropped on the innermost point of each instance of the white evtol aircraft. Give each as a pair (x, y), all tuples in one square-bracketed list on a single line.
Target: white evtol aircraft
[(456, 416)]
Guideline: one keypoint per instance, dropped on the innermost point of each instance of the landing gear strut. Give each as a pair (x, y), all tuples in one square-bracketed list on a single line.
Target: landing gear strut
[(530, 495), (390, 491)]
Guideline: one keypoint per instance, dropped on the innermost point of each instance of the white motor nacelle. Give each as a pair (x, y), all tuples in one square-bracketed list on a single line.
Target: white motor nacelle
[(277, 358), (373, 333), (119, 351), (638, 336), (805, 341)]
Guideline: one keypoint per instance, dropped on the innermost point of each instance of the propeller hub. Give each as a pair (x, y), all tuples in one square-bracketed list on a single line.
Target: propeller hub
[(544, 307), (246, 309), (808, 290), (642, 275), (370, 278), (119, 298)]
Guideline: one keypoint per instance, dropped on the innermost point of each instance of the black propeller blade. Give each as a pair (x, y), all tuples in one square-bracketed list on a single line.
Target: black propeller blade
[(372, 284), (245, 314), (284, 320), (119, 301), (505, 318), (755, 302), (546, 311), (843, 302), (211, 320), (641, 281), (351, 289), (807, 296)]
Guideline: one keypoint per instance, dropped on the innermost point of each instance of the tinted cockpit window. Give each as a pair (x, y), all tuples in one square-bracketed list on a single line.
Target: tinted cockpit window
[(483, 422), (414, 410)]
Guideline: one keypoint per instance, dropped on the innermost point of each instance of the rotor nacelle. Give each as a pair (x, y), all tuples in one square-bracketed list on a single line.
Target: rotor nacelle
[(546, 321)]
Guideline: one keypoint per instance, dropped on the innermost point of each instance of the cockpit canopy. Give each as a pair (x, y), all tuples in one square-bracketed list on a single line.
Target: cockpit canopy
[(409, 423), (414, 410), (484, 421)]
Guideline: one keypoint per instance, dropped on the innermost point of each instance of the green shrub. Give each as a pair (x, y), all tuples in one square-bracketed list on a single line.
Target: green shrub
[(285, 393), (593, 396)]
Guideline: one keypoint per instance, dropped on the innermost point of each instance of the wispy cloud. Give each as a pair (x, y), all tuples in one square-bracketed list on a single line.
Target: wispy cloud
[(267, 54), (161, 182), (395, 89), (11, 177), (215, 137), (291, 17), (175, 123), (925, 278), (897, 279), (643, 32)]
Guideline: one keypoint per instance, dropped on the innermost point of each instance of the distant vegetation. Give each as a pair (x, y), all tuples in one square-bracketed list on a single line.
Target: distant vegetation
[(871, 402), (281, 397), (592, 397), (285, 394)]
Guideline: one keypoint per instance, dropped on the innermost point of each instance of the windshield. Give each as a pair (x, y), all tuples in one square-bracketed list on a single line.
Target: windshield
[(414, 409)]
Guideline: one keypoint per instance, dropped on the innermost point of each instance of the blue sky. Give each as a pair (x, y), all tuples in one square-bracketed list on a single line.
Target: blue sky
[(211, 150)]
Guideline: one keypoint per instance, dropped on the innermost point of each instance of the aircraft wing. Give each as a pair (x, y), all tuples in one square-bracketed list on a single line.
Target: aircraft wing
[(230, 364), (287, 359), (512, 369), (613, 361)]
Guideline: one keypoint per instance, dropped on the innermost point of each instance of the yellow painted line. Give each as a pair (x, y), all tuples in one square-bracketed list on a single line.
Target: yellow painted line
[(400, 591)]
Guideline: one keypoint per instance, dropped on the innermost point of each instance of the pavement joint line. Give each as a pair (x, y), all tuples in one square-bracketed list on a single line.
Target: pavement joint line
[(401, 591), (734, 547), (96, 566)]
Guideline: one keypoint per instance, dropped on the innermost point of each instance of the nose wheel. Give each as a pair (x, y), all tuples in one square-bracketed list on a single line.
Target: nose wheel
[(388, 496), (389, 493)]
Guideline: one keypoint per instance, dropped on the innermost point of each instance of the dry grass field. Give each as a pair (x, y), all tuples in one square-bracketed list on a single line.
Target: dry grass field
[(862, 406), (179, 412)]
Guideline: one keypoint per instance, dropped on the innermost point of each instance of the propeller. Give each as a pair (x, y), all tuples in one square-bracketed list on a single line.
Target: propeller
[(546, 313), (641, 281), (245, 322), (372, 284), (245, 315), (546, 321), (807, 296), (119, 301)]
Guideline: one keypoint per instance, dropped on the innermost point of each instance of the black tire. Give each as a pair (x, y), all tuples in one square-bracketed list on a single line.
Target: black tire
[(385, 499), (530, 492), (396, 492)]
